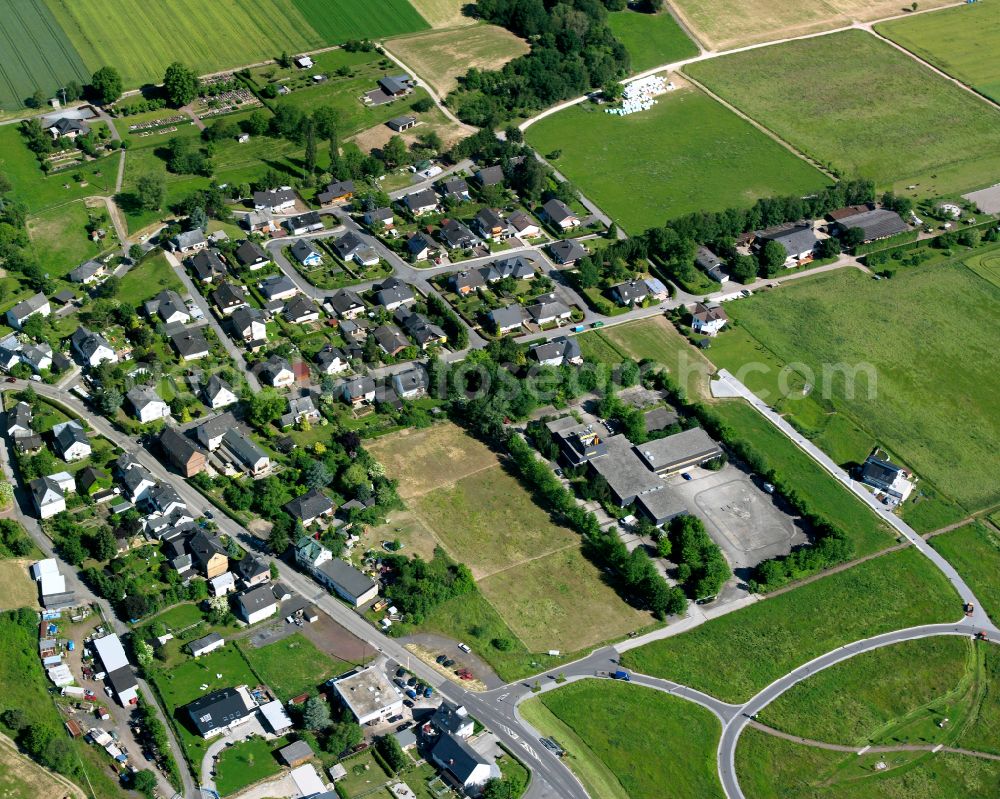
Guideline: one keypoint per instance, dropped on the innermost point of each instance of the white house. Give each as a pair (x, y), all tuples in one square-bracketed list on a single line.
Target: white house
[(256, 604), (310, 554), (71, 441), (202, 646), (219, 394), (21, 312), (47, 496), (275, 200), (148, 405), (461, 765), (92, 348), (560, 215), (708, 319)]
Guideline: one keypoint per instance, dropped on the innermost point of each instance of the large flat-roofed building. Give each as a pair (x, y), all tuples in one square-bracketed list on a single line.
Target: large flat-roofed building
[(369, 695), (579, 443), (678, 452), (626, 474), (661, 506)]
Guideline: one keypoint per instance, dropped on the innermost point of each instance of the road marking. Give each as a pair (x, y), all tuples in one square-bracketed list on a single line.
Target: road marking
[(502, 697), (862, 751)]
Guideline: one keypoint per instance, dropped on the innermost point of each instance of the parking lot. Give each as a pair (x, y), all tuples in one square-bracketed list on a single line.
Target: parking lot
[(743, 519)]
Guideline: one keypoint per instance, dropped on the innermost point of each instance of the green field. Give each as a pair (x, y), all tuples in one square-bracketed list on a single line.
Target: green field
[(142, 39), (770, 768), (651, 39), (936, 418), (987, 266), (627, 741), (688, 153), (975, 551), (148, 279), (891, 693), (752, 647), (59, 236), (247, 762), (36, 53), (961, 41), (923, 130), (292, 666)]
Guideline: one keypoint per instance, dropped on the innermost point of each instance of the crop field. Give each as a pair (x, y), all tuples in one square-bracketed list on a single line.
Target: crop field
[(142, 39), (888, 692), (541, 602), (626, 741), (651, 39), (292, 665), (687, 153), (753, 646), (443, 13), (36, 53), (987, 266), (441, 57), (771, 768), (937, 419), (960, 41), (724, 24), (975, 551), (924, 131)]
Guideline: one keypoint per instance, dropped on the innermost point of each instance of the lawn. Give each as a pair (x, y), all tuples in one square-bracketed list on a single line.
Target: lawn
[(886, 694), (39, 191), (987, 266), (651, 39), (148, 279), (724, 24), (423, 460), (688, 153), (628, 741), (560, 601), (247, 762), (180, 616), (771, 768), (490, 523), (441, 57), (182, 684), (897, 141), (936, 418), (292, 666), (19, 590), (752, 647), (142, 39), (37, 53), (59, 236), (363, 775), (975, 551), (955, 40)]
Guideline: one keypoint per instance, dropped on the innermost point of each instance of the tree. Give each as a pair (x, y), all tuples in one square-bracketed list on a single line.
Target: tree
[(145, 783), (325, 120), (316, 715), (317, 475), (256, 124), (106, 85), (104, 545), (143, 653), (263, 407), (772, 256), (180, 83), (422, 105), (391, 752), (310, 155), (274, 570), (109, 400), (278, 540), (394, 152)]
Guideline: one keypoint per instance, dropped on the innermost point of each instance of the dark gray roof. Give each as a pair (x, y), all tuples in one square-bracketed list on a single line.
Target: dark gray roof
[(207, 265), (270, 199), (276, 284), (85, 270), (310, 505), (189, 238), (455, 186), (392, 291), (229, 294), (457, 233), (390, 338), (176, 445), (348, 244), (876, 224), (217, 709), (303, 250), (705, 259), (490, 176), (632, 290), (795, 240), (344, 575), (251, 566), (189, 342), (256, 598), (334, 190), (567, 250), (507, 317), (345, 301), (457, 757), (242, 447), (298, 307), (308, 219), (250, 253), (420, 199), (556, 210)]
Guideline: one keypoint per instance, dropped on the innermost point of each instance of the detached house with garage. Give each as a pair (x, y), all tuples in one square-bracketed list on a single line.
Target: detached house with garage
[(310, 507), (71, 441), (421, 202), (799, 241), (275, 201), (21, 312), (559, 214), (306, 254), (250, 255), (708, 319), (207, 266)]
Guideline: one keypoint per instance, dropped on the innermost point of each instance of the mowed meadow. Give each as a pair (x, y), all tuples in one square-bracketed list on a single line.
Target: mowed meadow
[(688, 153), (55, 41), (963, 41), (909, 126), (934, 401)]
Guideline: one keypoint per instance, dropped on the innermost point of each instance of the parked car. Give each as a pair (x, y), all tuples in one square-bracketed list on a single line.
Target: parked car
[(441, 659), (464, 647), (448, 663), (686, 475)]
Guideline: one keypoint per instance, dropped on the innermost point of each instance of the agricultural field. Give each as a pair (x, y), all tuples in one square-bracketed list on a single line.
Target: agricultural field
[(443, 13), (142, 39), (22, 778), (925, 132), (651, 39), (292, 666), (956, 40), (772, 768), (441, 57), (907, 329), (890, 592), (37, 53), (624, 741), (725, 24), (975, 551), (689, 153), (987, 266), (890, 694), (59, 236)]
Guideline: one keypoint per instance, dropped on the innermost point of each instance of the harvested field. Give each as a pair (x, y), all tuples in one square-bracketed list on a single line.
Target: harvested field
[(440, 57), (19, 590), (22, 778), (443, 13), (423, 460)]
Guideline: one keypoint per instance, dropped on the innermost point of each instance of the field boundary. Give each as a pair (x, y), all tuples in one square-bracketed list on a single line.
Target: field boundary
[(765, 130)]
